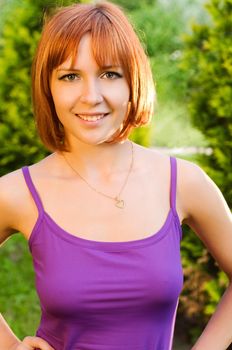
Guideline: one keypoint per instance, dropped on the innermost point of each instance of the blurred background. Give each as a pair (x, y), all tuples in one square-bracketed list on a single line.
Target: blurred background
[(189, 44)]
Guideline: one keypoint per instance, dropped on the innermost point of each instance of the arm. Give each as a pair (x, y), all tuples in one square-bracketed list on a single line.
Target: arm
[(10, 215), (218, 332), (9, 341), (207, 213)]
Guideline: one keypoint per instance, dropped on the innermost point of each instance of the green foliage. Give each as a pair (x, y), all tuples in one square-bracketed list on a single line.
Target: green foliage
[(142, 136), (208, 59), (159, 29), (159, 37), (208, 63), (135, 4), (214, 290), (18, 299), (19, 144)]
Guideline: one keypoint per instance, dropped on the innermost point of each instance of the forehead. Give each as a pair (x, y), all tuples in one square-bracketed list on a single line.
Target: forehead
[(103, 51), (84, 56)]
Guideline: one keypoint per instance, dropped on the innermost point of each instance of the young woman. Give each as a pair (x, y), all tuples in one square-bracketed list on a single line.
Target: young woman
[(101, 214)]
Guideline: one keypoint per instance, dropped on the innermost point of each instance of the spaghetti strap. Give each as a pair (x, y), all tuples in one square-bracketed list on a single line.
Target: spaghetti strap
[(173, 183), (32, 189)]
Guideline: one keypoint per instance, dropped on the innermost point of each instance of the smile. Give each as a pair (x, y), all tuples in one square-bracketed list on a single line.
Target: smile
[(92, 118)]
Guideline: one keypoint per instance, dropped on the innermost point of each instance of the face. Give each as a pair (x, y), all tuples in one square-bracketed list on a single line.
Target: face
[(91, 102)]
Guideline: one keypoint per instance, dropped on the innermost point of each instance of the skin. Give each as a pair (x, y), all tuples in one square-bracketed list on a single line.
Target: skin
[(89, 89), (200, 203)]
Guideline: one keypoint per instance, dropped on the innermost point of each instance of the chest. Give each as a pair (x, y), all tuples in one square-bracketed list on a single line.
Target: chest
[(106, 277), (85, 213)]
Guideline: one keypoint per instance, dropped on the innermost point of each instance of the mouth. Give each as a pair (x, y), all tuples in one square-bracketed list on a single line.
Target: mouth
[(92, 118)]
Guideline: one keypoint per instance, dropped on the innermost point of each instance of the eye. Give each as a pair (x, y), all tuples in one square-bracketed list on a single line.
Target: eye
[(69, 77), (111, 75)]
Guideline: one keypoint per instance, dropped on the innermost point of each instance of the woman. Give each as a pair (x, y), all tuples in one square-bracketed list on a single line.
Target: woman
[(101, 214)]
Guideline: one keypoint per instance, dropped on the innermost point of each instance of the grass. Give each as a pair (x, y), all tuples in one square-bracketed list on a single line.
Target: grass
[(18, 298)]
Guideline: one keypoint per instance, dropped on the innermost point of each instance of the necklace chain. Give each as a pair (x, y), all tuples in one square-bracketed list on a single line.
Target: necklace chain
[(119, 202)]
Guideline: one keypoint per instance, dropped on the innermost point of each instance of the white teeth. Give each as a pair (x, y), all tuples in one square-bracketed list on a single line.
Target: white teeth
[(91, 118)]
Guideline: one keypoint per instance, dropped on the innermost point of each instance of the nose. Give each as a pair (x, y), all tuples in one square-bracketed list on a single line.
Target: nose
[(91, 93)]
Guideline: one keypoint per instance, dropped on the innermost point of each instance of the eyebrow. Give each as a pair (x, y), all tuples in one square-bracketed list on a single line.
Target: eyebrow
[(78, 70)]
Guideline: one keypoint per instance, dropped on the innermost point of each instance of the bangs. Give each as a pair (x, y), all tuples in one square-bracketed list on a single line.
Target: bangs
[(109, 44)]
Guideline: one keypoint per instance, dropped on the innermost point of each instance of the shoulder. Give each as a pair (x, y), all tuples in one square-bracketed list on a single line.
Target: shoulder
[(196, 191), (192, 178), (15, 201), (12, 195), (153, 158), (12, 185), (198, 194), (190, 175)]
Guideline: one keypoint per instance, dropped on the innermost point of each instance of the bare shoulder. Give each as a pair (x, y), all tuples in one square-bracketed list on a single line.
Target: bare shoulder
[(190, 176), (12, 195), (188, 173), (198, 193), (12, 187), (155, 158), (17, 207)]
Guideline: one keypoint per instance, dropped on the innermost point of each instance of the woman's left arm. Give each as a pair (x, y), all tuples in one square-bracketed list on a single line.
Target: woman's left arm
[(208, 214)]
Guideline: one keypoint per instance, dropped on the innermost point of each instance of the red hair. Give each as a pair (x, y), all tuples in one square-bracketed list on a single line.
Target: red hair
[(113, 40)]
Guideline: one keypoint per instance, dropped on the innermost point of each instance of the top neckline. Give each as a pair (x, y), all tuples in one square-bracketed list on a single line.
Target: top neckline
[(106, 245), (100, 245)]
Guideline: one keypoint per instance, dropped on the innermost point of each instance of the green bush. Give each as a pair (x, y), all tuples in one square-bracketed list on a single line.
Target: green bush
[(18, 299), (133, 5), (19, 144), (208, 62), (208, 59), (159, 27)]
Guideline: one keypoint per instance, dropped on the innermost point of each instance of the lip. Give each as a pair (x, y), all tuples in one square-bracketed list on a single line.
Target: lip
[(91, 122), (92, 113)]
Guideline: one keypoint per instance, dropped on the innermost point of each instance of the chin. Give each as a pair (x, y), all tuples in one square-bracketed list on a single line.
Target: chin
[(99, 139)]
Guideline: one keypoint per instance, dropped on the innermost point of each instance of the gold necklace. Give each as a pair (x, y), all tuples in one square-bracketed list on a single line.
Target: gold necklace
[(119, 202)]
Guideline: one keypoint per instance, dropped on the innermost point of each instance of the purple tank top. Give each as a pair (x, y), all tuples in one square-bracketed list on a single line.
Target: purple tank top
[(107, 295)]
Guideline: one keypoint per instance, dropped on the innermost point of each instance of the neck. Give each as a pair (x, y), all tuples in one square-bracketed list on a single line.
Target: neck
[(100, 161)]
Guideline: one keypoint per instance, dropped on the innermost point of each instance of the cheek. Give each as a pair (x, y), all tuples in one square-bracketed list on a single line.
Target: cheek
[(125, 95), (119, 96), (63, 98)]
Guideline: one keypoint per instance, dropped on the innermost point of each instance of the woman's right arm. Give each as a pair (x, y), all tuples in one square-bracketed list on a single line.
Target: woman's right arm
[(9, 341), (11, 199)]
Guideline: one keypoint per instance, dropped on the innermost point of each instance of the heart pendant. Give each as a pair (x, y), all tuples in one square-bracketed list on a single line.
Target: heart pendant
[(119, 203)]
